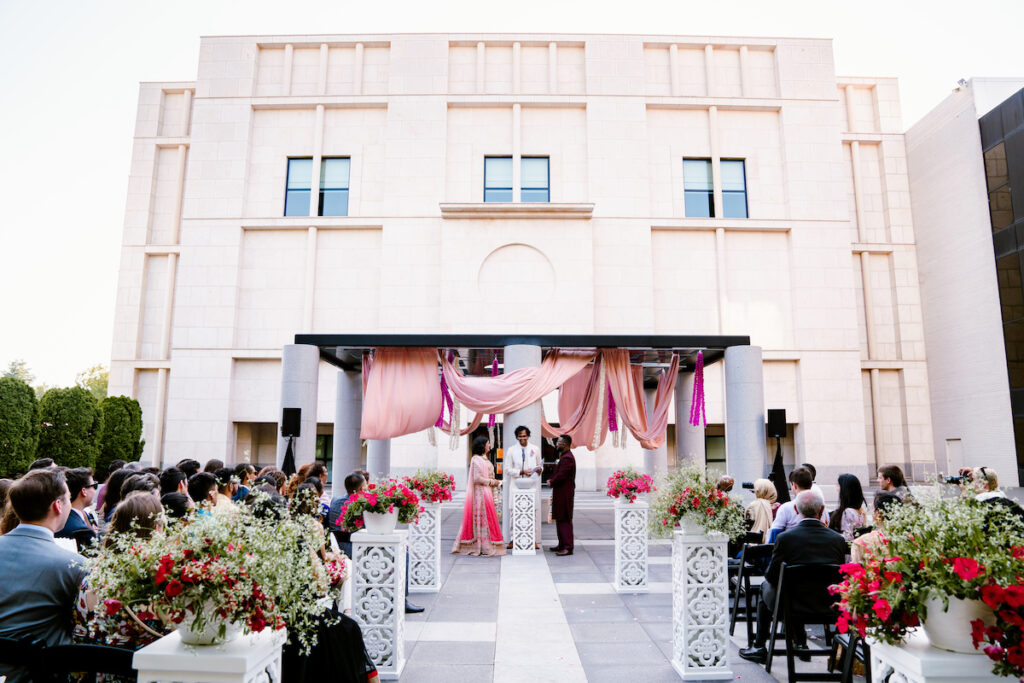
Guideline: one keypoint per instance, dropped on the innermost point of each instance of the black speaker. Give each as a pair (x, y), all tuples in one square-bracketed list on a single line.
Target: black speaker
[(290, 421), (777, 422)]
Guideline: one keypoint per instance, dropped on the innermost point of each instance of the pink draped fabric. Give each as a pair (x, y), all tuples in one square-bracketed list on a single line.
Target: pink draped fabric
[(519, 388), (479, 466), (401, 395), (626, 383), (578, 410)]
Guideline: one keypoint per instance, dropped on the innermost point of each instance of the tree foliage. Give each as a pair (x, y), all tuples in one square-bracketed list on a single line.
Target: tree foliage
[(94, 380), (18, 369), (19, 426), (71, 427), (122, 431)]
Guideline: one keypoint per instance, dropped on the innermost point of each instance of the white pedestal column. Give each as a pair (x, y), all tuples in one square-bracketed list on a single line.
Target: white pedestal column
[(249, 658), (348, 416), (690, 444), (378, 458), (700, 606), (425, 551), (655, 461), (631, 546), (745, 451), (378, 598), (524, 510), (300, 366), (518, 356)]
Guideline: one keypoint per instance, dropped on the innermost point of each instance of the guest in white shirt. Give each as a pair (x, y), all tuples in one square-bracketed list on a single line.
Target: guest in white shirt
[(523, 460), (814, 475), (787, 517)]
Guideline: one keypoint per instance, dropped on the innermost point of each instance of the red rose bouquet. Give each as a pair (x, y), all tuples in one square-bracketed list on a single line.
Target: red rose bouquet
[(628, 484), (692, 495), (387, 496), (432, 486)]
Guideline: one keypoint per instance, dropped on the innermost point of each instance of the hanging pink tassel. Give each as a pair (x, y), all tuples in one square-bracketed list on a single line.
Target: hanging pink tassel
[(446, 397), (494, 373), (613, 422), (697, 413)]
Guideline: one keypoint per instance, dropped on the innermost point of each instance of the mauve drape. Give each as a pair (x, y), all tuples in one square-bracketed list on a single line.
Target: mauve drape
[(579, 411), (627, 387), (519, 388), (402, 394)]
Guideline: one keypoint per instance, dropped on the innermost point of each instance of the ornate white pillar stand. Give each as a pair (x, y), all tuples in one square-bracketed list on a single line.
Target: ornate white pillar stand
[(378, 598), (523, 519), (700, 606), (425, 551), (631, 546), (916, 661), (254, 658)]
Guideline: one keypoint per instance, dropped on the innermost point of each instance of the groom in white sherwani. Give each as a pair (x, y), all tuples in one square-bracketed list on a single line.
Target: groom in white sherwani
[(524, 460)]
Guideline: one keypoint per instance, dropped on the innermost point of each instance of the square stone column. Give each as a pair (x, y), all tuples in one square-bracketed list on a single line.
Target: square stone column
[(300, 372), (348, 417)]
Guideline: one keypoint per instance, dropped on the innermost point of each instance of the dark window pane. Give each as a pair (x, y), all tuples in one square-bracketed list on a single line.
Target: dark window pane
[(995, 167), (1015, 170), (734, 204), (1000, 208), (1013, 335), (1012, 113), (991, 125), (535, 195), (699, 204), (334, 203), (503, 195), (296, 203), (1010, 295)]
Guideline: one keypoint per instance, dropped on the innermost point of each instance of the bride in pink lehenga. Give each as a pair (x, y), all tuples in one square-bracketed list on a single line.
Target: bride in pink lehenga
[(480, 533)]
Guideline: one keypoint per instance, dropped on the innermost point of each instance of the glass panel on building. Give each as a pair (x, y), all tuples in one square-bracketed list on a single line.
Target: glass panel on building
[(297, 187), (995, 167), (497, 179), (334, 175), (698, 188), (734, 188), (536, 179)]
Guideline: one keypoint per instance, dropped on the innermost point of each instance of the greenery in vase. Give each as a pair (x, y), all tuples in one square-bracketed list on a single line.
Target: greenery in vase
[(628, 483), (691, 494), (258, 571), (387, 496), (431, 486)]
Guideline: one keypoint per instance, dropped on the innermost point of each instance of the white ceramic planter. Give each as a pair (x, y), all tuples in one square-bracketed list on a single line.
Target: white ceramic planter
[(951, 629), (380, 523)]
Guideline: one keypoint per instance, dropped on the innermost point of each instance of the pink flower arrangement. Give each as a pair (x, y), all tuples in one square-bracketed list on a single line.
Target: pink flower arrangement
[(432, 487), (628, 484), (387, 496)]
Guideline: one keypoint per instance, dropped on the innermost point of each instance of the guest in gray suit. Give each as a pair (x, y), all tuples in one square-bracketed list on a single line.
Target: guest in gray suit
[(40, 580)]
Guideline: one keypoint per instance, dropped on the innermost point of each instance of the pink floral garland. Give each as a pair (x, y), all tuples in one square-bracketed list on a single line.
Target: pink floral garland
[(697, 412)]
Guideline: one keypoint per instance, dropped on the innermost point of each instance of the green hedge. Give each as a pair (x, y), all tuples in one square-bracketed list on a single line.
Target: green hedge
[(122, 431), (71, 427), (19, 426)]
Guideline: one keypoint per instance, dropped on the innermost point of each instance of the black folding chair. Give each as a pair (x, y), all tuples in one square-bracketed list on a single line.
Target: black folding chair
[(61, 660), (20, 652), (753, 562), (855, 648), (802, 598)]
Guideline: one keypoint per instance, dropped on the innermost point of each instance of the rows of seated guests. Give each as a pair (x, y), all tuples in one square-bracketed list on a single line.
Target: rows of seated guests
[(52, 514)]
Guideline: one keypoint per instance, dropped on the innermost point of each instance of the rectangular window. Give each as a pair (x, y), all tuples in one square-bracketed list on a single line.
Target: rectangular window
[(297, 187), (334, 174), (536, 179), (698, 188), (734, 188), (497, 179)]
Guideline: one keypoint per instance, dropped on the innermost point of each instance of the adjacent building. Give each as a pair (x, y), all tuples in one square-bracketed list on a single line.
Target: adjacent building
[(507, 183)]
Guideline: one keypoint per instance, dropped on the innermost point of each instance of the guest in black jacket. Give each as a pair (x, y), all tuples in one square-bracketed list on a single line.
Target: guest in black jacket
[(809, 542), (81, 525)]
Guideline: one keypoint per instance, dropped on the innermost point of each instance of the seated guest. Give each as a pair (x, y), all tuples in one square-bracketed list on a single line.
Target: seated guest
[(787, 516), (353, 482), (113, 495), (101, 492), (212, 465), (725, 483), (40, 580), (144, 482), (41, 464), (852, 512), (226, 489), (319, 470), (809, 542), (202, 489), (177, 505), (814, 475), (891, 480), (5, 486), (189, 467), (266, 480), (173, 480), (80, 526), (985, 483), (873, 543), (246, 474), (318, 484), (761, 511)]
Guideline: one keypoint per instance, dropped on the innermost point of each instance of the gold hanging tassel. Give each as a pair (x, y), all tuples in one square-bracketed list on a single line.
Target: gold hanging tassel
[(431, 436), (602, 389), (453, 442)]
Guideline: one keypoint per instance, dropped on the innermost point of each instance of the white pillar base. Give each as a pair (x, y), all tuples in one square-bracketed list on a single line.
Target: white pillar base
[(700, 607), (524, 510), (631, 546), (425, 551), (239, 661), (378, 598)]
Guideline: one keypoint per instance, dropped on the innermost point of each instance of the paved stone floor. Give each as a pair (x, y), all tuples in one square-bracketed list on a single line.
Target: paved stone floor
[(548, 618)]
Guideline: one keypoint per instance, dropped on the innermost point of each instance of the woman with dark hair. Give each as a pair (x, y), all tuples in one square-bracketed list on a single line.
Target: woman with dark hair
[(852, 511), (480, 532), (874, 543), (113, 496)]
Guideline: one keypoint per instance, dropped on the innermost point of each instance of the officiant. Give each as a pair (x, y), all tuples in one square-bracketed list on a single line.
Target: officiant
[(523, 461)]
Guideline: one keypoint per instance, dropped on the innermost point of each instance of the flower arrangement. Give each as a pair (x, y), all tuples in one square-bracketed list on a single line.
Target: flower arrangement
[(938, 549), (628, 484), (432, 486), (691, 495), (387, 496), (251, 570)]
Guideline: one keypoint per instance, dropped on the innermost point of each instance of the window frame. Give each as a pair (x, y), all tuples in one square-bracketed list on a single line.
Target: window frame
[(510, 189), (287, 182), (321, 188), (547, 180), (709, 193), (746, 203)]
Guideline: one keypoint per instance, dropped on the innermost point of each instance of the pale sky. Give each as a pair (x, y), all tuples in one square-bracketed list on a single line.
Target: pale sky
[(69, 74)]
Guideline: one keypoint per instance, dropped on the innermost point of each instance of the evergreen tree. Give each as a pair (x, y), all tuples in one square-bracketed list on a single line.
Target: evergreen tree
[(71, 427), (19, 426), (122, 431)]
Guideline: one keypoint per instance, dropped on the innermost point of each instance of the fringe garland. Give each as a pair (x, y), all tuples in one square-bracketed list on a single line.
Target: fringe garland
[(454, 424), (697, 412), (491, 417), (613, 423), (602, 388), (432, 437)]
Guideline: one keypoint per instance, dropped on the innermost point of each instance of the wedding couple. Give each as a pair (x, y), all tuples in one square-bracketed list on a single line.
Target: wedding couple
[(480, 532)]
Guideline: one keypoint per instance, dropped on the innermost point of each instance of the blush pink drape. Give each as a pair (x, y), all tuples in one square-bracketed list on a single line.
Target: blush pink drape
[(402, 394), (519, 388), (627, 387), (578, 409)]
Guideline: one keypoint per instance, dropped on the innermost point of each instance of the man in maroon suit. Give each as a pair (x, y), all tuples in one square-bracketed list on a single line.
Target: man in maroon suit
[(563, 491)]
